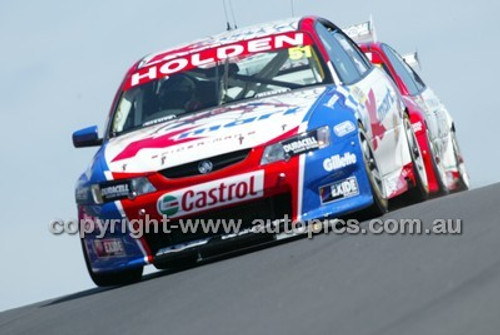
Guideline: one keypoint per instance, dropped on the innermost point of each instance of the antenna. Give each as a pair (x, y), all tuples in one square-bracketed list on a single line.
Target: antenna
[(232, 14), (418, 59), (292, 7), (227, 17)]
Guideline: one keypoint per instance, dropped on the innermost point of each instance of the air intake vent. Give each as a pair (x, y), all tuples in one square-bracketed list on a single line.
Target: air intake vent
[(217, 163)]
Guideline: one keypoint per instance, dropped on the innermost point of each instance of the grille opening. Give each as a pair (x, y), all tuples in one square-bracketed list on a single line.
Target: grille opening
[(267, 208), (219, 162)]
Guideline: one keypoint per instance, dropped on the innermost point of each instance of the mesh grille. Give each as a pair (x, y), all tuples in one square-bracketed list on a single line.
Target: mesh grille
[(219, 162), (267, 208)]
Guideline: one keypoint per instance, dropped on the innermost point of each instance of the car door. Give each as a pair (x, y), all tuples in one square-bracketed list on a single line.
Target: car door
[(379, 103)]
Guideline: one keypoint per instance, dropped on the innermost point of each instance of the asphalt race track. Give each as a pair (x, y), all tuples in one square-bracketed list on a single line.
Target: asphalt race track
[(329, 285)]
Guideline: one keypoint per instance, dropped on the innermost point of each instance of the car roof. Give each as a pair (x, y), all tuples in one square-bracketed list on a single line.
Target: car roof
[(231, 36)]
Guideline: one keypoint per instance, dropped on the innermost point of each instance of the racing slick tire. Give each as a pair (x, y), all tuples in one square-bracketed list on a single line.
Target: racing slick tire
[(420, 191), (463, 178), (115, 278), (440, 174), (380, 204)]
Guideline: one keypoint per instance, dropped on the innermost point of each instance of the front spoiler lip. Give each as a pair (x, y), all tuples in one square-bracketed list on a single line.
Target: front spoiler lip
[(204, 248), (217, 245)]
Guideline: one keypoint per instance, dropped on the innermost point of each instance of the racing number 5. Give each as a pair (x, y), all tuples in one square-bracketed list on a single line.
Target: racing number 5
[(299, 52)]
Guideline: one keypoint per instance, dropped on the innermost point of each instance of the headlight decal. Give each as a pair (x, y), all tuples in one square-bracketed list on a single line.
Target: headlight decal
[(116, 190), (83, 195), (300, 144)]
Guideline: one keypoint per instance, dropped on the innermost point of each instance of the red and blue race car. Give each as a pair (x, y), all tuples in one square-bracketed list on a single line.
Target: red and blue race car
[(433, 124), (288, 119)]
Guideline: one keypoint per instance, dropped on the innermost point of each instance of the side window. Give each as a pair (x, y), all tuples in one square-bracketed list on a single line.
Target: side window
[(341, 60), (383, 65), (360, 60), (411, 80), (418, 80), (389, 73)]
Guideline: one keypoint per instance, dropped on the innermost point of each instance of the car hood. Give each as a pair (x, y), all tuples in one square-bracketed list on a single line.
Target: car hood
[(210, 133)]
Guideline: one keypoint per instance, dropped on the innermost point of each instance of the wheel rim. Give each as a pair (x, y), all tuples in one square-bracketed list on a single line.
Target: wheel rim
[(460, 162), (416, 155), (372, 166), (438, 162)]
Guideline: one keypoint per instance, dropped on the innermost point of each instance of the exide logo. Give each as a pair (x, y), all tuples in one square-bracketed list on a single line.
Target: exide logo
[(213, 194)]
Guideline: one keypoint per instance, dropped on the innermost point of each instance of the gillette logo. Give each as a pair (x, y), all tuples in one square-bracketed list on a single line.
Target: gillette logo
[(338, 162)]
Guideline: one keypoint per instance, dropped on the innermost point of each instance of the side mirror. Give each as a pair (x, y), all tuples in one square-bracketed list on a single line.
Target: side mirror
[(87, 137), (413, 60)]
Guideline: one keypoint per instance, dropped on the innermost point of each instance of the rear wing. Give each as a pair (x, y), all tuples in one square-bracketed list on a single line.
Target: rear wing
[(413, 60), (365, 33), (362, 32)]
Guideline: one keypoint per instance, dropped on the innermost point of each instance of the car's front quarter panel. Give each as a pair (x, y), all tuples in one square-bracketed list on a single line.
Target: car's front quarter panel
[(338, 163), (93, 217)]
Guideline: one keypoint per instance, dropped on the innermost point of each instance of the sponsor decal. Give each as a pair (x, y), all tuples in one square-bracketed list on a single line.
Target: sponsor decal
[(212, 194), (276, 110), (338, 162), (299, 145), (156, 142), (239, 137), (343, 189), (378, 129), (225, 38), (114, 190), (386, 105), (112, 247), (417, 126), (168, 205), (332, 101), (344, 128), (168, 65)]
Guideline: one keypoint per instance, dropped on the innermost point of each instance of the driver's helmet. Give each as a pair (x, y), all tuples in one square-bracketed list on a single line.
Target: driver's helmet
[(176, 92)]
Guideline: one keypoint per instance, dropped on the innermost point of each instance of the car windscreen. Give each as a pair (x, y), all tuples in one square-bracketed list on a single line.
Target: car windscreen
[(152, 98)]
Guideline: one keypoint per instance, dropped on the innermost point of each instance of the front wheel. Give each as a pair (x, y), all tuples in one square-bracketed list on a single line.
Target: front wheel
[(463, 177), (438, 168), (380, 203), (115, 278), (420, 191)]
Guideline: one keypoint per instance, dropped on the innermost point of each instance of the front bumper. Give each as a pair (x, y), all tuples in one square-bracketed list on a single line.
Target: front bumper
[(280, 189)]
